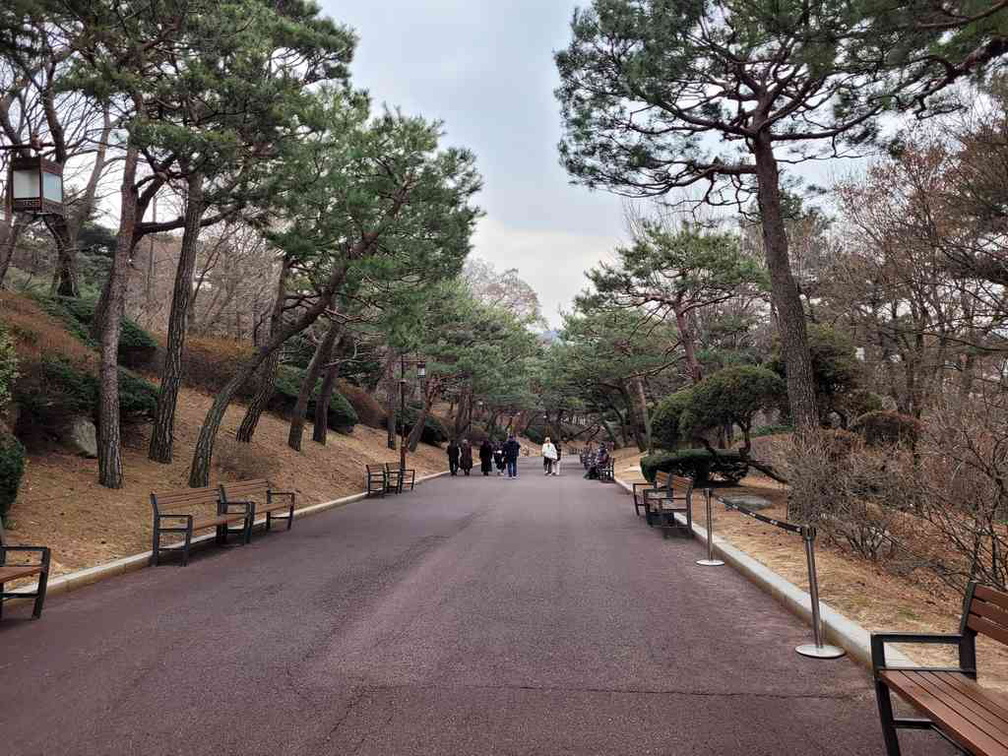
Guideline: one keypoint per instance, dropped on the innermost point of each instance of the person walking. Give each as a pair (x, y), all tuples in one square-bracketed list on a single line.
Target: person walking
[(549, 453), (453, 457), (465, 456), (556, 465), (498, 456), (511, 451), (486, 457)]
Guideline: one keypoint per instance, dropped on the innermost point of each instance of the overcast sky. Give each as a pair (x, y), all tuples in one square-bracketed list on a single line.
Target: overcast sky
[(486, 69)]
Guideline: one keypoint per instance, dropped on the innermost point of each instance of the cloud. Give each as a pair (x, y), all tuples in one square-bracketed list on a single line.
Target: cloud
[(552, 261)]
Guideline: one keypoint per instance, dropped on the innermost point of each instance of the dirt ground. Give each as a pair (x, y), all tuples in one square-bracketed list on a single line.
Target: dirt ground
[(856, 588), (61, 505)]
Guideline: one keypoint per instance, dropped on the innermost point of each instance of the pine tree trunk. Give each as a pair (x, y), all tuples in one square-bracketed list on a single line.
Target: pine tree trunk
[(110, 472), (265, 388), (689, 346), (199, 471), (320, 428), (162, 434), (786, 296), (645, 415), (65, 281), (268, 372), (417, 431), (11, 233), (323, 354)]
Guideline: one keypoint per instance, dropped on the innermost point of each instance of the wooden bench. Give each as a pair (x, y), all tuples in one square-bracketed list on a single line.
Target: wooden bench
[(10, 572), (260, 494), (178, 506), (670, 494), (375, 479), (397, 481), (972, 717)]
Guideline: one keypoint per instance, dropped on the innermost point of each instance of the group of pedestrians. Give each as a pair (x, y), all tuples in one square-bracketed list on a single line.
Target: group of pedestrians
[(491, 454)]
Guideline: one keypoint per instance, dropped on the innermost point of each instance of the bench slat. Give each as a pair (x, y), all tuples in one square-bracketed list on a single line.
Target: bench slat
[(991, 612), (985, 626), (973, 698), (998, 598), (214, 520), (969, 733), (15, 571)]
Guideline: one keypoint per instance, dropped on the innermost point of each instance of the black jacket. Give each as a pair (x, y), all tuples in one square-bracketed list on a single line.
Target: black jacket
[(511, 450)]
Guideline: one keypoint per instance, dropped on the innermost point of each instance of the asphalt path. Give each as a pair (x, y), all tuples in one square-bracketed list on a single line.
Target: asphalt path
[(472, 616)]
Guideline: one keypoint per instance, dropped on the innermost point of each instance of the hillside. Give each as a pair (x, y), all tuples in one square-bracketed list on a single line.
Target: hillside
[(61, 504)]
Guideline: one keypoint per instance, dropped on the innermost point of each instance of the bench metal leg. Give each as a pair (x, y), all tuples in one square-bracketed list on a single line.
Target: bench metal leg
[(156, 545), (43, 582), (185, 547), (884, 698), (290, 516), (269, 521)]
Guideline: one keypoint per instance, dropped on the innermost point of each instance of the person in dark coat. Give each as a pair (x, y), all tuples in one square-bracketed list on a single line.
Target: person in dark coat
[(465, 456), (511, 451), (486, 457), (453, 456), (498, 457)]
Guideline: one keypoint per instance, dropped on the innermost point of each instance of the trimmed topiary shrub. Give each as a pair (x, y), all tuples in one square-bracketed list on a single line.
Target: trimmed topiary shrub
[(12, 464), (699, 464), (54, 391), (368, 410), (665, 422), (137, 348), (342, 417), (887, 428)]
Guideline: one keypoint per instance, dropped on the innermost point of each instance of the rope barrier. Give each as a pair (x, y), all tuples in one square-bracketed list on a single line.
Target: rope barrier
[(817, 649)]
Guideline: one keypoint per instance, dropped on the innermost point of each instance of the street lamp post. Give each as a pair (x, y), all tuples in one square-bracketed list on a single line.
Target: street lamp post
[(421, 374)]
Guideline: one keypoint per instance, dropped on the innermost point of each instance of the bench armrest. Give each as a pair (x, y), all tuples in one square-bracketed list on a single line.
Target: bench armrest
[(292, 494), (244, 506), (165, 515), (879, 640), (45, 554)]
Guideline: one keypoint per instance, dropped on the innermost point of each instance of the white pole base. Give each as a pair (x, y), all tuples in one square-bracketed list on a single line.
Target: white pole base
[(820, 652)]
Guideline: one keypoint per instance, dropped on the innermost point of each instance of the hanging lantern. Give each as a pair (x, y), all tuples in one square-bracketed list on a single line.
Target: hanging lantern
[(36, 186)]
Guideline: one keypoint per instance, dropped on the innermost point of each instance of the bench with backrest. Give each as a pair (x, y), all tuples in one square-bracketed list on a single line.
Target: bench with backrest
[(263, 499), (187, 510), (974, 718), (396, 482), (375, 479), (671, 494), (11, 571)]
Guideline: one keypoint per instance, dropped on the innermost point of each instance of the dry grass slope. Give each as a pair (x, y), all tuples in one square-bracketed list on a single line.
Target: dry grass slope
[(61, 505)]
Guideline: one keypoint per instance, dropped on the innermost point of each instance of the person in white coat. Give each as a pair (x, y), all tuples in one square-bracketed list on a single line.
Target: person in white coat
[(549, 453)]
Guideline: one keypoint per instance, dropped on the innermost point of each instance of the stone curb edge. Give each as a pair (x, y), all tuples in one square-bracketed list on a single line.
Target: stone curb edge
[(74, 580), (838, 629)]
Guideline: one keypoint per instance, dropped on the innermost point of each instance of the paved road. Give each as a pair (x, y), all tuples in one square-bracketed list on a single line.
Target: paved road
[(474, 616)]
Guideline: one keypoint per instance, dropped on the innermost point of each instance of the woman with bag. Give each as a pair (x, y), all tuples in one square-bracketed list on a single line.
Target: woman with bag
[(549, 453)]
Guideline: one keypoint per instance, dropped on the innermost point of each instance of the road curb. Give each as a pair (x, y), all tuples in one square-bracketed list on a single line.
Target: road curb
[(90, 575), (838, 629)]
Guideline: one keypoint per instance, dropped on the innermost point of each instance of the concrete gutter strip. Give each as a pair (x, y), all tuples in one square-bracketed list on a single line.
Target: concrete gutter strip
[(838, 629), (74, 580)]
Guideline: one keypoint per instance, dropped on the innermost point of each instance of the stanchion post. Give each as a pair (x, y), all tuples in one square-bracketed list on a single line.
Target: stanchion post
[(710, 561), (818, 649)]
